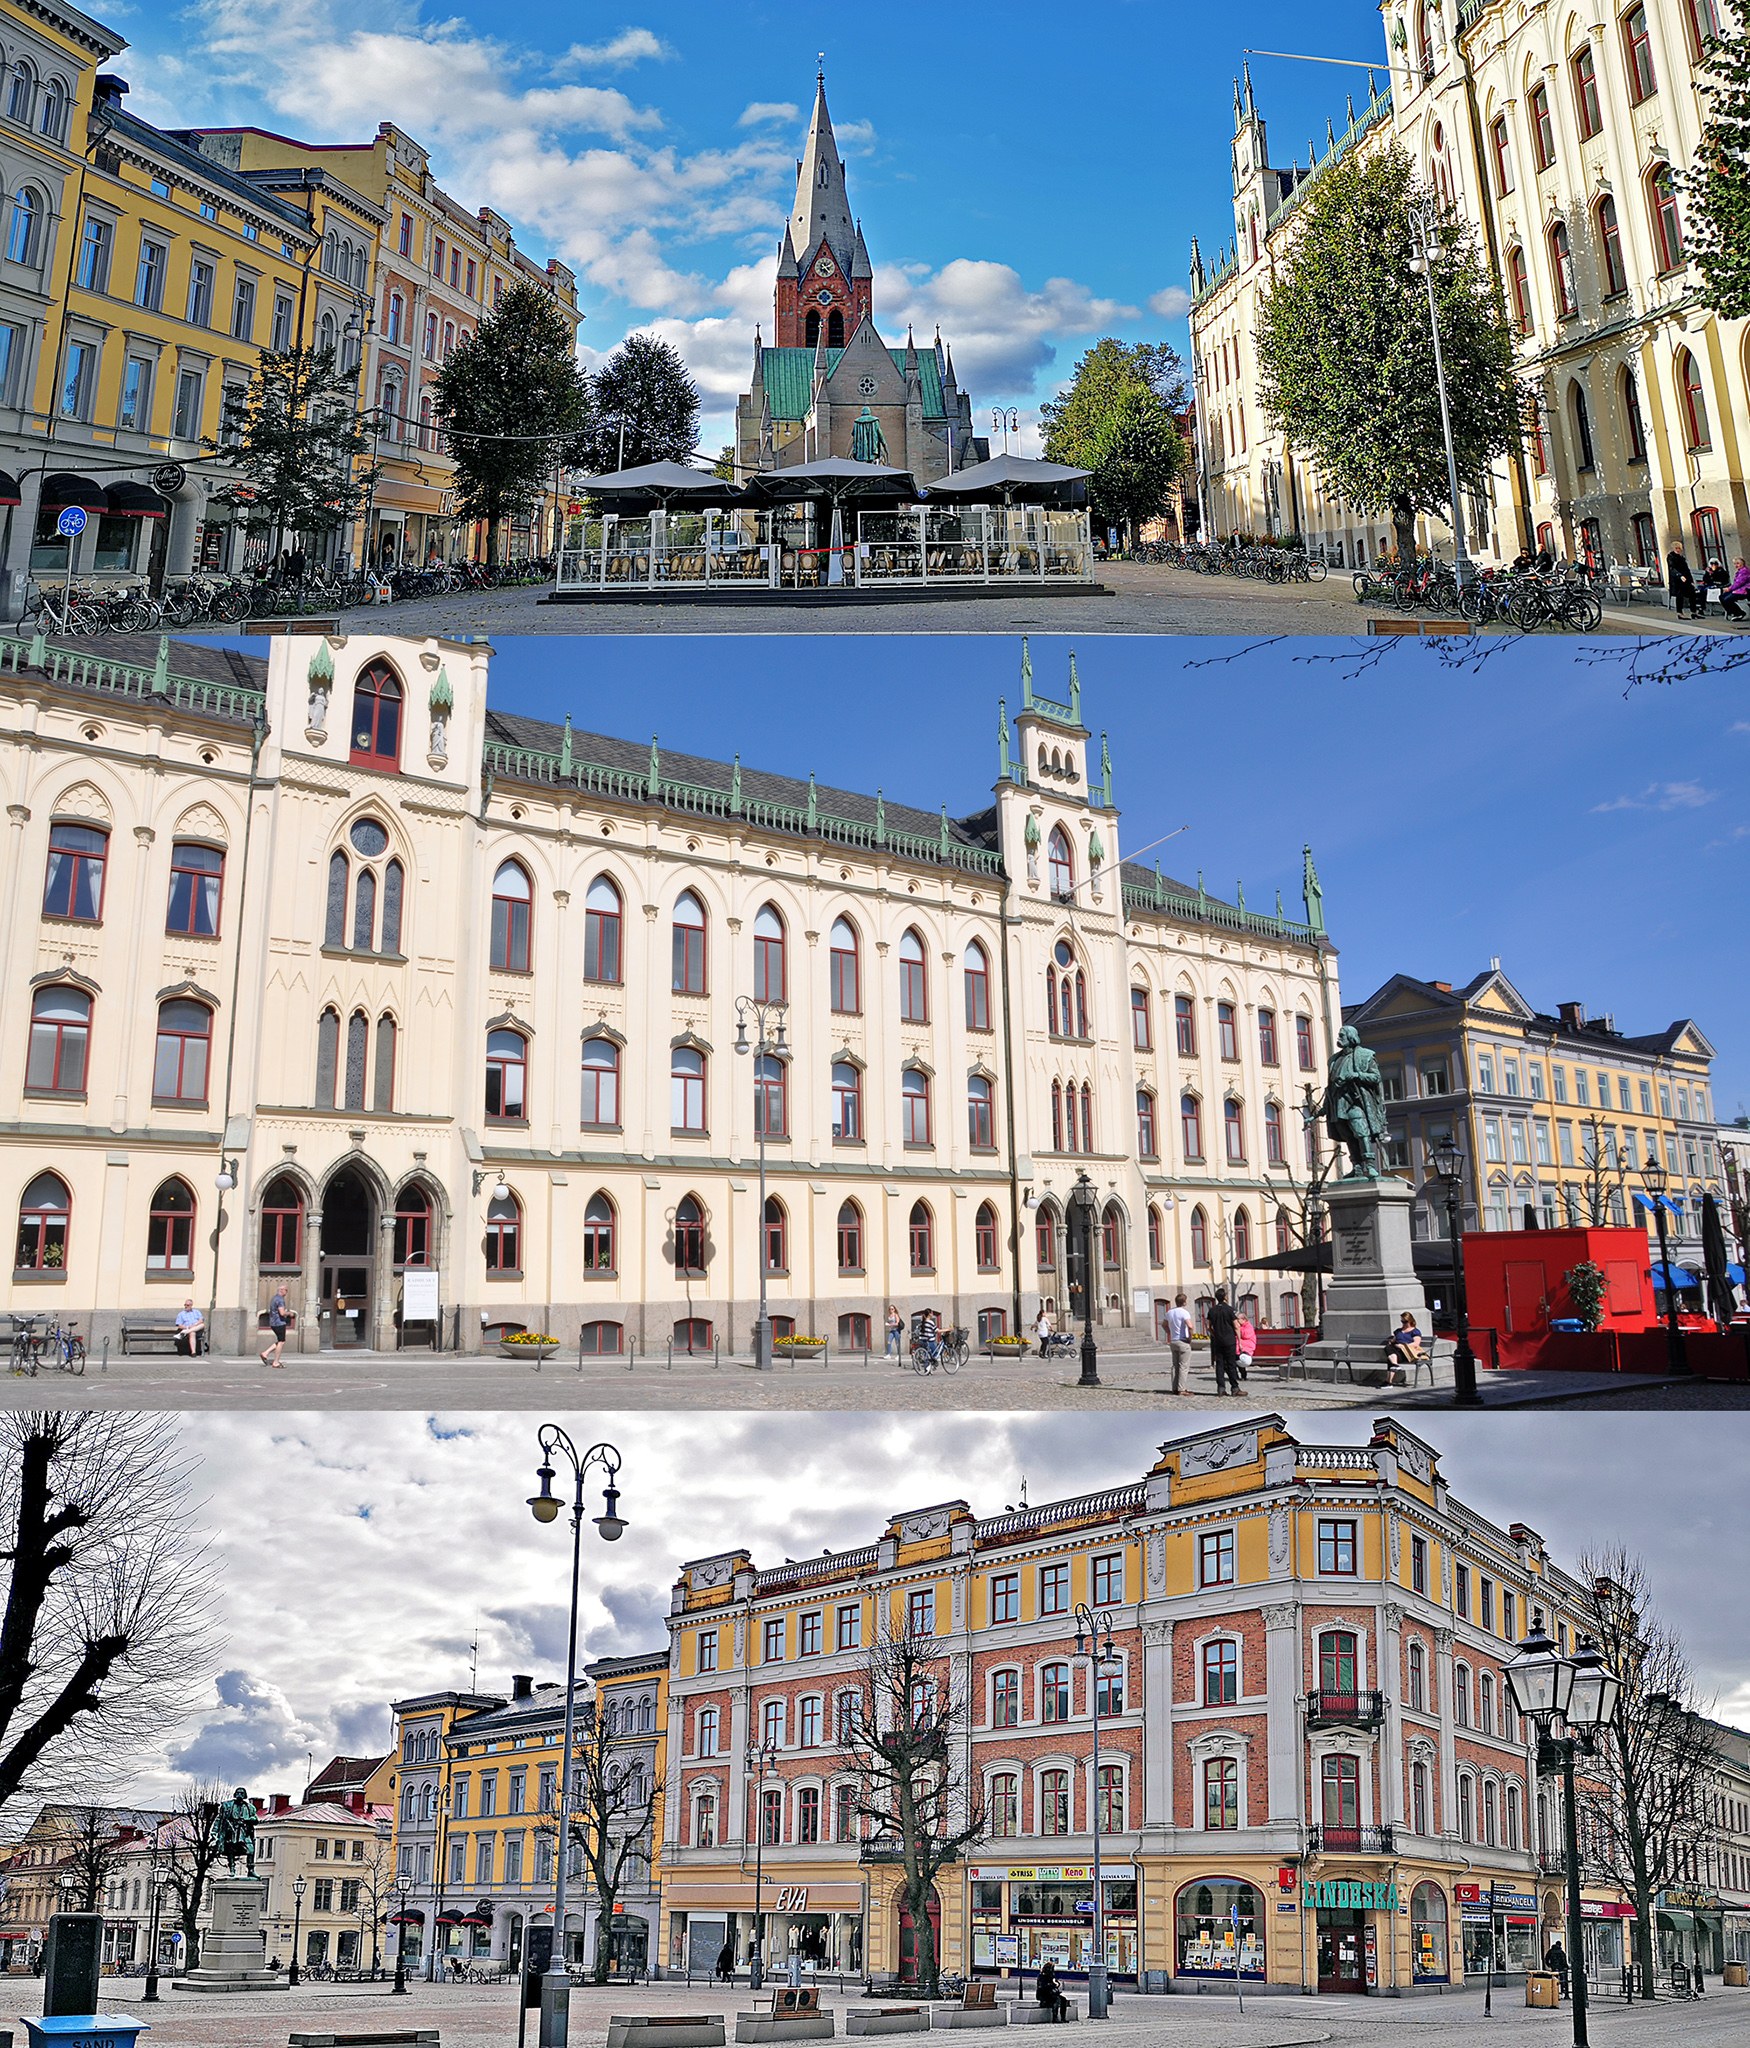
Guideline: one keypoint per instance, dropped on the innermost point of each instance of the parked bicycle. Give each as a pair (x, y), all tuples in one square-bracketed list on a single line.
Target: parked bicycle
[(64, 1348), (27, 1346)]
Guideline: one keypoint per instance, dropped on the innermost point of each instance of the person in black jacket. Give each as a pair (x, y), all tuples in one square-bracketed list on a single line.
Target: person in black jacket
[(1680, 582), (1555, 1958), (1224, 1346), (1049, 1992)]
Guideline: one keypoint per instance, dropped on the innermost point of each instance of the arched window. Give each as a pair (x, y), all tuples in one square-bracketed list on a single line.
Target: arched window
[(914, 991), (1004, 1805), (1583, 454), (811, 328), (601, 931), (1112, 1237), (1519, 277), (1667, 222), (835, 329), (1054, 1692), (598, 1235), (1419, 1822), (915, 1107), (1185, 1027), (383, 1084), (1087, 1117), (23, 87), (1561, 263), (1045, 1237), (1156, 1256), (768, 956), (1461, 1695), (1610, 249), (601, 1084), (326, 335), (1054, 1802), (978, 1114), (1693, 400), (1586, 106), (775, 1236), (358, 1032), (42, 1226), (1191, 1126), (920, 1233), (1081, 1006), (1145, 1124), (1424, 40), (1637, 43), (282, 1225), (327, 1057), (1061, 862), (60, 1039), (850, 1236), (1226, 1031), (689, 1238), (196, 878), (507, 1057), (1631, 408), (770, 1110), (1234, 1127), (1242, 1236), (686, 1088), (1199, 1237), (22, 236), (73, 882), (334, 930), (689, 945), (1057, 1117), (985, 1238), (504, 1236), (1543, 127), (1337, 1664), (847, 1101), (179, 1065), (412, 1239), (376, 717), (846, 990), (364, 911), (170, 1229), (977, 988), (1140, 1033), (512, 895), (1273, 1155)]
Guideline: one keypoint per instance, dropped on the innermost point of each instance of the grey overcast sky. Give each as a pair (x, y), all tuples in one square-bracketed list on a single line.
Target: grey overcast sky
[(364, 1553)]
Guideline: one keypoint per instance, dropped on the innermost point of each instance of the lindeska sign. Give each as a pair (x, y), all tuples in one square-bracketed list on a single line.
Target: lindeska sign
[(1342, 1892)]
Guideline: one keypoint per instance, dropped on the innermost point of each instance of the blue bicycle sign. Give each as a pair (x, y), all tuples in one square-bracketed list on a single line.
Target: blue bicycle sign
[(71, 521)]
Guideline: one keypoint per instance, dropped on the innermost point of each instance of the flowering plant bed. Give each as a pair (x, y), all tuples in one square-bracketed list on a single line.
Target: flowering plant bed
[(523, 1342), (798, 1343), (1008, 1344)]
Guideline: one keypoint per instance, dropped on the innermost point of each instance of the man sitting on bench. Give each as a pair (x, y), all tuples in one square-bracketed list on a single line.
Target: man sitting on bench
[(188, 1328), (1405, 1345), (1050, 1994)]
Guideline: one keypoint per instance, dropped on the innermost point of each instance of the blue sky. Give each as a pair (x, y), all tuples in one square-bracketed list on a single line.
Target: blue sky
[(1029, 178)]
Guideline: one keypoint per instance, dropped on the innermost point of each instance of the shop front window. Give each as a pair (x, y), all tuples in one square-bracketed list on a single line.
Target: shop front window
[(1218, 1926), (1428, 1934)]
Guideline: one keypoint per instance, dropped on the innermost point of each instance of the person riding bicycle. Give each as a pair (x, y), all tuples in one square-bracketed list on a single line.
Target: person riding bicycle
[(930, 1335)]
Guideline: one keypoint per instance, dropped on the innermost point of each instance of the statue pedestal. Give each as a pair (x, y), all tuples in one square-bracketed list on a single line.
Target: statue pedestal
[(234, 1948), (1373, 1273)]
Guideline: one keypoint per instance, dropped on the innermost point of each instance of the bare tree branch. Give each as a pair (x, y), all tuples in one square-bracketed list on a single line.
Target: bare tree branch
[(613, 1817)]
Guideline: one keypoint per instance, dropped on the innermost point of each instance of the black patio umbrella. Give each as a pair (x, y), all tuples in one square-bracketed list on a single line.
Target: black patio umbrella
[(660, 483), (1016, 480), (835, 478), (1713, 1252)]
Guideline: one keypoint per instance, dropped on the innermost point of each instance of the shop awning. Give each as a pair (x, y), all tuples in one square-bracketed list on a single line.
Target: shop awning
[(8, 489), (62, 490), (1671, 1278), (1735, 1274), (451, 1916), (1675, 1922), (137, 501), (410, 1916), (1652, 1202)]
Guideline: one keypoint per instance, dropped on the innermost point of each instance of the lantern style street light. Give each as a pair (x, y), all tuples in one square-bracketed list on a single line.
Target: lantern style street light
[(1676, 1350), (545, 1506), (1084, 1198), (1581, 1692), (155, 1877), (761, 1757), (1102, 1659), (398, 1897), (298, 1887), (769, 1050), (1449, 1171)]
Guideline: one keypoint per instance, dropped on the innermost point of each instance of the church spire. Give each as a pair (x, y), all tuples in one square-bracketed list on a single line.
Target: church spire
[(822, 208)]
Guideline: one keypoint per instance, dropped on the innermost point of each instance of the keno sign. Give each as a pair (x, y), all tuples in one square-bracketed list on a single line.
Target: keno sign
[(1348, 1894)]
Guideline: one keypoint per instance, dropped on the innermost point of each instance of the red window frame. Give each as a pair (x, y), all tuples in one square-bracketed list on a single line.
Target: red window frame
[(1145, 1124), (1519, 273), (1087, 1117), (504, 1249), (914, 1088), (978, 1114), (1154, 1236), (1637, 40), (507, 1076), (770, 1096), (1233, 1125), (1199, 1237), (1543, 129), (596, 1073), (42, 1225), (984, 1238), (847, 1101), (510, 922), (76, 864), (1057, 1116), (692, 1087), (598, 1233), (1501, 151), (186, 869), (1060, 862), (1267, 1037), (768, 958), (180, 1037), (1273, 1154), (1586, 107), (775, 1236), (920, 1238), (1701, 33), (977, 988), (1340, 1793), (1693, 393), (1667, 221), (850, 1238), (1185, 1027), (1221, 1794), (1303, 1043), (601, 933), (1139, 1020), (846, 981), (1637, 430), (282, 1227), (1191, 1126), (1561, 261), (59, 1030), (689, 1238), (1242, 1237), (1610, 242), (1709, 538), (170, 1230), (1045, 1241), (914, 979), (1226, 1025), (375, 731), (412, 1234), (688, 971), (1110, 1250), (1221, 1673)]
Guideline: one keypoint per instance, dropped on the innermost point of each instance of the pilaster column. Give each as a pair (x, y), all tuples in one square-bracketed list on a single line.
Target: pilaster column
[(1443, 1640), (1391, 1658), (1157, 1724), (1282, 1683)]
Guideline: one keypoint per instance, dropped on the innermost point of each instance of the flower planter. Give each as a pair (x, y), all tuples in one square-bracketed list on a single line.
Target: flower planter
[(800, 1350), (542, 1347)]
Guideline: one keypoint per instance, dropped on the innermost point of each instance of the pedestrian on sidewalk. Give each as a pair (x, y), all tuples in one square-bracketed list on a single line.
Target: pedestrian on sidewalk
[(1042, 1327), (895, 1329), (1555, 1958), (725, 1970), (1246, 1341), (1179, 1337), (1681, 584), (1224, 1344), (279, 1315)]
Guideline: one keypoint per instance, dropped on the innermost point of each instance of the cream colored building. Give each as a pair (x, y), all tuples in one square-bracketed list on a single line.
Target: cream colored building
[(456, 992), (1564, 135)]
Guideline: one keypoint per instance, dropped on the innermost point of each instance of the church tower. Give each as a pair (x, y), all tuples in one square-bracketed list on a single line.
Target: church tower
[(824, 275)]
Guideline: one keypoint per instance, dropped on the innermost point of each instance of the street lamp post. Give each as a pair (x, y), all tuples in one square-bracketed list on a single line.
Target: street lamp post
[(1676, 1350), (1421, 220), (224, 1180), (760, 1758), (398, 1895), (1581, 1691), (1086, 1199), (1006, 419), (765, 1048), (1449, 1171), (545, 1505), (298, 1885), (152, 1876), (1090, 1627)]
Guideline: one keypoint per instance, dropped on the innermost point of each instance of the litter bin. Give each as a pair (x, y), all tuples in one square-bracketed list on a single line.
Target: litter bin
[(1541, 1988), (1737, 1975)]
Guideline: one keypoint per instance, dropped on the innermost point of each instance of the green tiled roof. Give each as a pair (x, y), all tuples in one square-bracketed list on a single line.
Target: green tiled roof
[(790, 379)]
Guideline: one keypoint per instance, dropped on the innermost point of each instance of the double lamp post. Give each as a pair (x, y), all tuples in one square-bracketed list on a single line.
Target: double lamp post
[(1102, 1660), (769, 1050)]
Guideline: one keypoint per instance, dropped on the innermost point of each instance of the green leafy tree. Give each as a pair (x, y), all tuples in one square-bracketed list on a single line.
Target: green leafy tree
[(1718, 181), (1116, 419), (515, 404), (294, 437), (1585, 1285), (1346, 358), (644, 389)]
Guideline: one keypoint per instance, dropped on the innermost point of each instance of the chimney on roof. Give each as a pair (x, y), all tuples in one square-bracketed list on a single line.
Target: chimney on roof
[(355, 1802), (282, 1803), (1573, 1015), (1494, 963), (1445, 987), (522, 1686)]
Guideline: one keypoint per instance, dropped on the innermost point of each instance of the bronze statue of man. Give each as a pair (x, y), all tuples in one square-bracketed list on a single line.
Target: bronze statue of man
[(234, 1831), (1353, 1104)]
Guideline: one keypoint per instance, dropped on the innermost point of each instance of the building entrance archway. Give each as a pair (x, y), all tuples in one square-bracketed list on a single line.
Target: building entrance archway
[(348, 1261)]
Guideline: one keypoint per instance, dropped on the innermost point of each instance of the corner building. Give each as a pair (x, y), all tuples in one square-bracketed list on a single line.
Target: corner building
[(1309, 1728), (447, 990)]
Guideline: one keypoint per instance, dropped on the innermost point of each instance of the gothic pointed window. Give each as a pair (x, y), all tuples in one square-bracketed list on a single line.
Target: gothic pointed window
[(846, 994), (601, 932), (512, 896), (835, 329), (1061, 864), (914, 994)]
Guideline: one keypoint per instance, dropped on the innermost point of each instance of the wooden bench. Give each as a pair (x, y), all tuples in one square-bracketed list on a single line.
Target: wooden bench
[(980, 1993), (978, 2007), (792, 2000), (407, 2037), (1284, 1349), (153, 1330)]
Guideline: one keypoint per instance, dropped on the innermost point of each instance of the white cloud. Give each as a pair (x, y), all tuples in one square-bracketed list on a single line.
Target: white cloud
[(758, 112), (1003, 334), (630, 46), (1663, 796), (1171, 303)]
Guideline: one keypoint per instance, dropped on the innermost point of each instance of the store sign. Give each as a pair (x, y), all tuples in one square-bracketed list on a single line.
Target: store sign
[(1285, 1879), (793, 1899), (1344, 1894), (1031, 1873), (1687, 1899), (1467, 1894)]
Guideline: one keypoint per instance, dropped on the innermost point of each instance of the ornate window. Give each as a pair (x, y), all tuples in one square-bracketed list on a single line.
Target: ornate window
[(1693, 400), (1060, 862), (598, 1235), (42, 1226), (1145, 1124), (1221, 1793), (170, 1229), (1273, 1155), (1109, 1792), (1045, 1240), (1199, 1237), (504, 1217), (1242, 1237), (915, 1106), (914, 991), (512, 895), (601, 931), (73, 885), (1637, 44), (412, 1236), (775, 1237), (768, 956), (1234, 1128), (179, 1065), (1226, 1031), (21, 238), (686, 1089), (376, 717), (282, 1225), (601, 1084), (847, 1101), (60, 1038), (984, 1237), (1561, 264), (507, 1055), (1519, 279), (1340, 1787), (1054, 1802), (1337, 1663), (1586, 107), (1057, 1118), (1054, 1692), (920, 1233), (1185, 1027), (1191, 1126), (850, 1238), (197, 875), (1267, 1037), (978, 1114), (847, 993), (1111, 1237), (689, 945), (1156, 1256), (1005, 1700), (1667, 222), (770, 1114), (1416, 1684), (1221, 1673), (1543, 128), (977, 988), (1003, 1805), (689, 1238), (1610, 249), (1140, 1035)]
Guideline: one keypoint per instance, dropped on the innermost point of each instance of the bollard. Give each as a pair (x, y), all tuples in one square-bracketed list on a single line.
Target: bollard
[(106, 1354), (671, 1354), (716, 1350), (580, 1347)]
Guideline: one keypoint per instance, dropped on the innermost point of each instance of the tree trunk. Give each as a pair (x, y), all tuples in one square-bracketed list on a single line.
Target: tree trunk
[(1403, 519)]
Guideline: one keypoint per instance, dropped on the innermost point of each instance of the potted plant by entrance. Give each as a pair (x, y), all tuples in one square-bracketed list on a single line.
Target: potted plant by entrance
[(527, 1344), (799, 1347)]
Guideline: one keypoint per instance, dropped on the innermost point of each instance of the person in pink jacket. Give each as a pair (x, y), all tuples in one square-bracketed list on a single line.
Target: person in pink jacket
[(1733, 596), (1246, 1336)]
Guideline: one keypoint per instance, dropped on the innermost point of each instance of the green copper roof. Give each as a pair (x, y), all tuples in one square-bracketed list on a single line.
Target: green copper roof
[(790, 379)]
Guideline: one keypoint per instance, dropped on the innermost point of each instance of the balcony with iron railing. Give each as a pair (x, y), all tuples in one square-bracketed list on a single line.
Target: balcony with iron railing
[(1345, 1709), (1330, 1841)]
